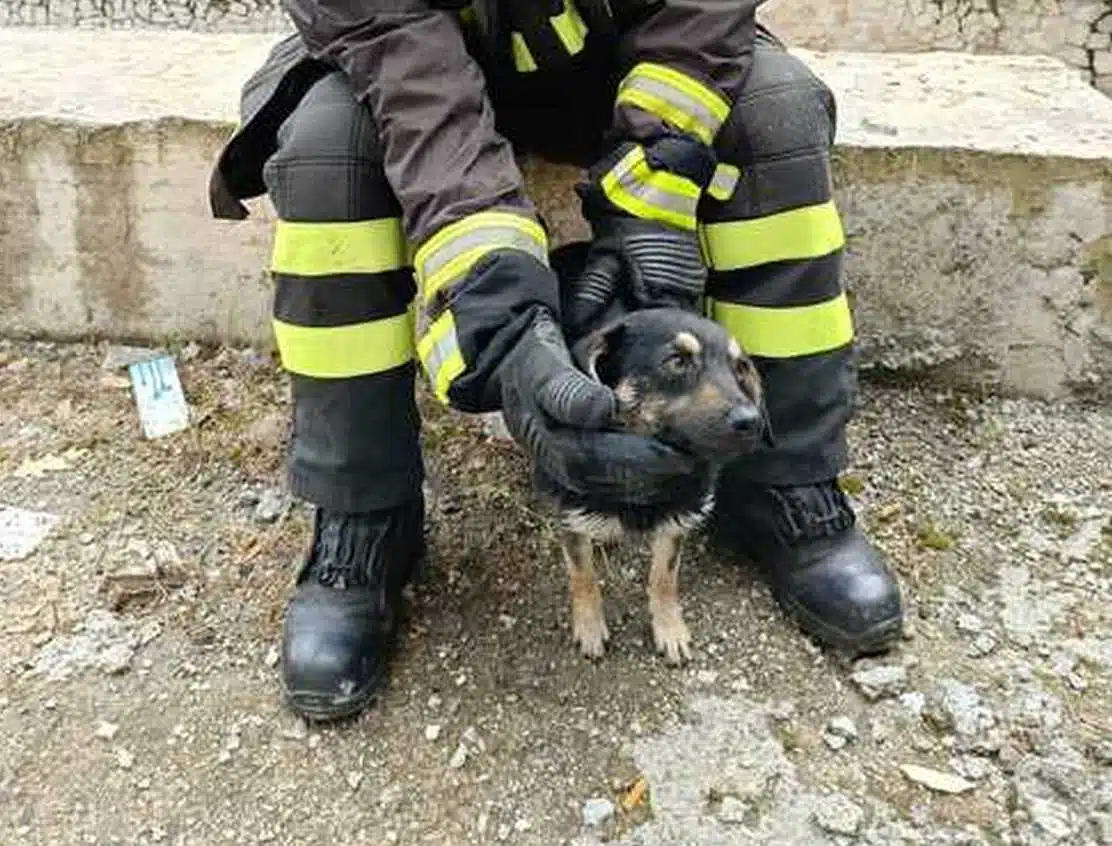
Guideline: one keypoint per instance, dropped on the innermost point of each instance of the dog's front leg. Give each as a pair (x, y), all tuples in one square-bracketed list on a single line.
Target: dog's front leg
[(588, 625), (670, 633)]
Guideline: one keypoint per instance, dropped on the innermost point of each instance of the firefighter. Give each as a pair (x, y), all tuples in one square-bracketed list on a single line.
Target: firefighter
[(384, 134)]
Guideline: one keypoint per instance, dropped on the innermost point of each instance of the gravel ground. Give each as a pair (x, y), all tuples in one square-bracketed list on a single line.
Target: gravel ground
[(138, 695)]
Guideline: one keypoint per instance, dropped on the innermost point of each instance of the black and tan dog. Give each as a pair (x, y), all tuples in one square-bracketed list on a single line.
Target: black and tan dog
[(681, 378)]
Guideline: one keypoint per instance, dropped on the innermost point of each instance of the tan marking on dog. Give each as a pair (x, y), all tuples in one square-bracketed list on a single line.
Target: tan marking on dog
[(688, 343), (708, 395), (626, 392), (588, 624), (670, 633), (750, 380)]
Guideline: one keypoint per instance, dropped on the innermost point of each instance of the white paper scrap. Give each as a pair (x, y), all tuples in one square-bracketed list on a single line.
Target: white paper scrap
[(159, 397), (21, 531)]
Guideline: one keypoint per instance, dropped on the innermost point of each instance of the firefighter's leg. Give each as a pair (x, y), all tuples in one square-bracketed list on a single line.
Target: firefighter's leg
[(775, 249), (344, 333)]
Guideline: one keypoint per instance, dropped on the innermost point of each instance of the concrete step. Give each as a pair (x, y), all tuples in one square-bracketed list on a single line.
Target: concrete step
[(976, 190)]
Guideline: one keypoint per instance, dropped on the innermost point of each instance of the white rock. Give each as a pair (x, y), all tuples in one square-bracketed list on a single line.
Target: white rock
[(597, 812), (935, 780), (837, 814)]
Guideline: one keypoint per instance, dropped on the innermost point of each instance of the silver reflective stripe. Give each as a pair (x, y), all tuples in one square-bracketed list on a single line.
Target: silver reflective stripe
[(648, 193), (440, 352), (494, 237), (724, 181), (674, 97)]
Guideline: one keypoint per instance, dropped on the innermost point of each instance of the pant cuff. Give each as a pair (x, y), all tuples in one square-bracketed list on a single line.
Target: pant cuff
[(351, 493)]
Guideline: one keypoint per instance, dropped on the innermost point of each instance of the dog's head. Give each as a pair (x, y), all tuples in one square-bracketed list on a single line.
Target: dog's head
[(682, 379)]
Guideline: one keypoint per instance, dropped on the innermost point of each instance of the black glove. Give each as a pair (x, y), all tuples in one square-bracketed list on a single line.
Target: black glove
[(634, 264), (640, 202), (558, 415)]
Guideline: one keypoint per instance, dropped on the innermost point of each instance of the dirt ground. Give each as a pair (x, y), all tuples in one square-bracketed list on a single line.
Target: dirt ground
[(138, 645)]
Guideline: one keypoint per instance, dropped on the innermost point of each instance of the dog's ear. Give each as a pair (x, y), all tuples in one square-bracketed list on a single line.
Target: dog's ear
[(594, 355)]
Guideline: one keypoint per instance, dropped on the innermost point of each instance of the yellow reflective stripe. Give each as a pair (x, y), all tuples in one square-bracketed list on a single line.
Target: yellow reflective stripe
[(523, 59), (449, 254), (724, 182), (802, 233), (321, 249), (650, 194), (676, 98), (441, 356), (570, 28), (341, 352), (788, 332)]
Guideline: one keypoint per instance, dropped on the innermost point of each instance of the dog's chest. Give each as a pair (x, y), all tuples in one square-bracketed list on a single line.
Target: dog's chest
[(679, 510)]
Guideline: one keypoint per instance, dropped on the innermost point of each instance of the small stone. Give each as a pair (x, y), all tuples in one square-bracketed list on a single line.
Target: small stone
[(271, 657), (522, 824), (314, 741), (1009, 757), (834, 741), (432, 733), (1077, 681), (913, 701), (106, 731), (354, 779), (880, 681), (272, 504), (459, 757), (224, 756), (837, 814), (970, 624), (471, 739), (982, 645), (706, 677), (1101, 752), (124, 760), (296, 729), (935, 780), (972, 767), (842, 727), (732, 811), (597, 812), (434, 702)]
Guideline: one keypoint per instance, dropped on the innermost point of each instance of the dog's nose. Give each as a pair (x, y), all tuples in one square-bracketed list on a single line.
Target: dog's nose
[(744, 418)]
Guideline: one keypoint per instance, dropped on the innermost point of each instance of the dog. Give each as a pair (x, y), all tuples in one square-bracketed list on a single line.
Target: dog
[(682, 379)]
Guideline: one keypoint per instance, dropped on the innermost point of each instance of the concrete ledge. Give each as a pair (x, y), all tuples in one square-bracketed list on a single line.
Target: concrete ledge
[(976, 190)]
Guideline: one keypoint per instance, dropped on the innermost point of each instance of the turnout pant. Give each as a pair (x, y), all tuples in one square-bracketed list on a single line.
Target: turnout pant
[(343, 311)]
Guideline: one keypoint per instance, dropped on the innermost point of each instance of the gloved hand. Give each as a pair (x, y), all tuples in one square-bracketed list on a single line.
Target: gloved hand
[(512, 356), (558, 414), (634, 264), (641, 205)]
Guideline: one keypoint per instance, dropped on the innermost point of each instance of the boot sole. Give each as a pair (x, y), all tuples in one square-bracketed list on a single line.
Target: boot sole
[(880, 637)]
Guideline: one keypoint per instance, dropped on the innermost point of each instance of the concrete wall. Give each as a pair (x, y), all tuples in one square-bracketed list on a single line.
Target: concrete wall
[(1077, 31), (976, 193)]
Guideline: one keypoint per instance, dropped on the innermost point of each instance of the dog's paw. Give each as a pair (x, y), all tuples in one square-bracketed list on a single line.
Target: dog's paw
[(670, 633), (589, 631)]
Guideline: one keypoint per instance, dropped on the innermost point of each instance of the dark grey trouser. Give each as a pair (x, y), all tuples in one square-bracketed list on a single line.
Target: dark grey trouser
[(343, 286)]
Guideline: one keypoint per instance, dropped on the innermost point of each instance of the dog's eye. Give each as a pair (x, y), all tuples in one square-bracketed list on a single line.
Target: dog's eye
[(677, 362)]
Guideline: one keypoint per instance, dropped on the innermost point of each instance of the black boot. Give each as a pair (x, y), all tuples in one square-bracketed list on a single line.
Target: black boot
[(823, 571), (341, 624)]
